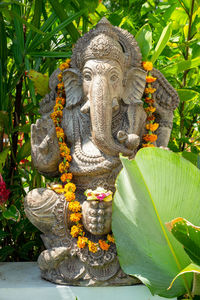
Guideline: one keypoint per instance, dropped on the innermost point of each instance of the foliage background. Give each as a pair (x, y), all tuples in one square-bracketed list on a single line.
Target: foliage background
[(38, 35)]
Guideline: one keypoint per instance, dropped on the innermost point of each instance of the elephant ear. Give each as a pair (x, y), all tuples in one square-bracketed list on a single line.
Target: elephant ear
[(73, 87), (165, 95), (134, 85)]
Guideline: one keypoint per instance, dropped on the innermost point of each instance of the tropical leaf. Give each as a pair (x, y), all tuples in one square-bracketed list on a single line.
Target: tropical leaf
[(164, 38), (181, 66), (187, 95), (3, 156), (192, 268), (24, 151), (12, 213), (188, 235), (41, 82), (154, 188), (144, 39)]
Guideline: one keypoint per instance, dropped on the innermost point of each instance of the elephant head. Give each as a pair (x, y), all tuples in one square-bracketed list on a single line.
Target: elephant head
[(103, 77)]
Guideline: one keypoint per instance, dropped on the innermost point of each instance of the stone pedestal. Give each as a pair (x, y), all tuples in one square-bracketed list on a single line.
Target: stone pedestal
[(21, 281)]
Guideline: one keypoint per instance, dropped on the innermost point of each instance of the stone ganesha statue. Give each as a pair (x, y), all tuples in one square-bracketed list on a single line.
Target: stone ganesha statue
[(103, 116)]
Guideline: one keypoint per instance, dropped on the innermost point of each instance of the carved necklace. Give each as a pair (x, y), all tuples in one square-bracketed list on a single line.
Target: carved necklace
[(69, 188)]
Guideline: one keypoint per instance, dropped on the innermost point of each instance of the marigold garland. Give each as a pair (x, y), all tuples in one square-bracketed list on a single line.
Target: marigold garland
[(151, 127), (68, 187)]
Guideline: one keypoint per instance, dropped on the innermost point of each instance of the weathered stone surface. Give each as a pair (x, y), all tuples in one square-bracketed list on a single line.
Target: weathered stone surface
[(103, 116)]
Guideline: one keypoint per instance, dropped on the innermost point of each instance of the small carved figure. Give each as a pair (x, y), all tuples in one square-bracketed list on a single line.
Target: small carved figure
[(103, 116)]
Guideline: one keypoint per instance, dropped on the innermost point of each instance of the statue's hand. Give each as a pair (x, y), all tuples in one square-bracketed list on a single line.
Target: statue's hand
[(97, 216), (44, 145)]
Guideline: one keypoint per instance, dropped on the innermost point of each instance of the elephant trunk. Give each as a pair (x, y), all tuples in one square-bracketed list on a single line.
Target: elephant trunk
[(101, 118)]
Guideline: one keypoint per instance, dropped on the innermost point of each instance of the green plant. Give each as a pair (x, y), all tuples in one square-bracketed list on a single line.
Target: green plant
[(153, 189), (189, 236)]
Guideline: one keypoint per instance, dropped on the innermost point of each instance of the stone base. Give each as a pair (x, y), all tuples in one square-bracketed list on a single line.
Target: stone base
[(21, 281)]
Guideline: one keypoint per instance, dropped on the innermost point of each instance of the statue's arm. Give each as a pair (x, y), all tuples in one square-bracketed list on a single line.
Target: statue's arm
[(44, 147)]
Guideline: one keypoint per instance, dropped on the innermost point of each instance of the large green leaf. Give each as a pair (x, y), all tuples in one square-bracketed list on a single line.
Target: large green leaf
[(144, 39), (181, 66), (153, 189), (164, 38), (188, 235), (12, 213), (187, 95)]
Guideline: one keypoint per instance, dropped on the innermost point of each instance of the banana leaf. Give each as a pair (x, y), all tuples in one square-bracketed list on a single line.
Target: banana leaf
[(151, 190)]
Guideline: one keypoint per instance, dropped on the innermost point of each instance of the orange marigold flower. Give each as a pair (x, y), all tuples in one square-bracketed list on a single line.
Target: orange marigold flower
[(68, 61), (149, 100), (66, 176), (60, 86), (92, 247), (110, 238), (149, 90), (64, 150), (150, 137), (147, 65), (147, 145), (69, 196), (58, 106), (150, 79), (150, 109), (63, 167), (60, 100), (70, 187), (60, 76), (74, 206), (82, 241), (151, 118), (64, 66), (103, 245), (60, 133), (152, 127), (75, 217), (57, 115), (76, 230)]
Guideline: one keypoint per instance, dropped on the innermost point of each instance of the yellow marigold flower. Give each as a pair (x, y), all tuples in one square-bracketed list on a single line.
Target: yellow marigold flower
[(60, 100), (150, 109), (149, 100), (147, 65), (69, 196), (76, 230), (110, 238), (70, 187), (103, 245), (60, 76), (63, 167), (60, 86), (147, 145), (92, 247), (68, 60), (58, 107), (66, 176), (75, 217), (74, 206), (150, 137), (149, 90), (150, 79), (82, 241), (152, 127)]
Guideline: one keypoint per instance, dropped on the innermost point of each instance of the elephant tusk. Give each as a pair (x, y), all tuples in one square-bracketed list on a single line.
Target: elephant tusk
[(86, 107)]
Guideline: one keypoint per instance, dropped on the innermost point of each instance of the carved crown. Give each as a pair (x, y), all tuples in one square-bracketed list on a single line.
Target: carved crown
[(107, 41)]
